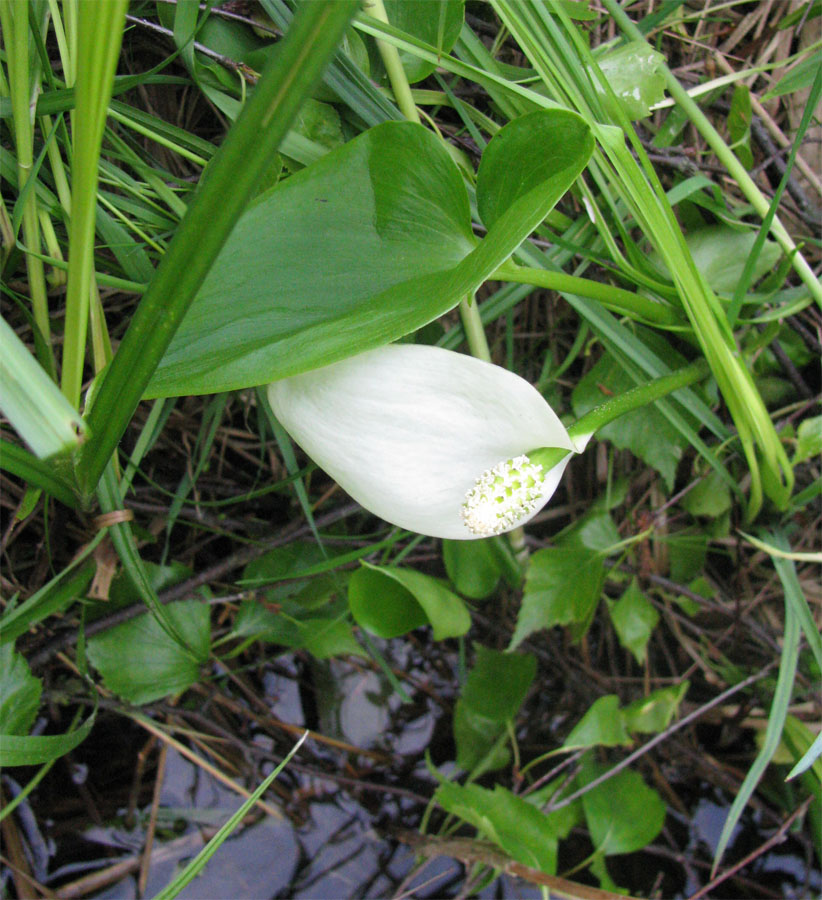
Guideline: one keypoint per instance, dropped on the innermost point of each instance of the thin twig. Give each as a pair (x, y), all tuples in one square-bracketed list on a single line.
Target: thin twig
[(658, 739), (775, 839)]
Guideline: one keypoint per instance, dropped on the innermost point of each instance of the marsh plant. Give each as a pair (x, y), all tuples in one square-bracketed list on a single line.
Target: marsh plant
[(331, 327)]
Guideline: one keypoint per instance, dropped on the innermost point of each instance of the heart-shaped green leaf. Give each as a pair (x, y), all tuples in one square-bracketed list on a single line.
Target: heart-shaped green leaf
[(141, 663), (362, 247), (390, 601), (623, 813)]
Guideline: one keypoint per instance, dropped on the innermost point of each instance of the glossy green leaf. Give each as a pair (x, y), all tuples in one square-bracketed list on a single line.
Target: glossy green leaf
[(139, 661), (498, 682), (474, 567), (634, 619), (513, 824), (654, 713), (623, 814), (437, 22), (562, 587), (635, 73), (647, 433), (369, 243), (390, 601), (530, 157), (345, 244), (234, 177), (19, 692), (601, 726)]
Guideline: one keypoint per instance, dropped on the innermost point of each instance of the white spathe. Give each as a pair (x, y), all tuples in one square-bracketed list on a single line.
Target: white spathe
[(407, 430)]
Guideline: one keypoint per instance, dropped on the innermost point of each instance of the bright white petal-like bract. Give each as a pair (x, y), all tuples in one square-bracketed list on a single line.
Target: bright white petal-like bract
[(407, 430)]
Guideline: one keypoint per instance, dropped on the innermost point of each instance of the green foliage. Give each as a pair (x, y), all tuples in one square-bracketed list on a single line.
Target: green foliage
[(634, 77), (498, 683), (798, 79), (513, 824), (292, 626), (491, 698), (437, 22), (474, 567), (19, 693), (720, 254), (319, 229), (739, 125), (605, 724), (388, 215), (562, 587), (390, 601), (623, 814), (710, 497), (634, 619), (808, 440), (652, 714), (601, 726), (55, 596), (139, 661), (31, 401), (647, 433)]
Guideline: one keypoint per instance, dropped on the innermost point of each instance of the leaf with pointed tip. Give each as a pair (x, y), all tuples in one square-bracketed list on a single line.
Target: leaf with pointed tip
[(365, 245)]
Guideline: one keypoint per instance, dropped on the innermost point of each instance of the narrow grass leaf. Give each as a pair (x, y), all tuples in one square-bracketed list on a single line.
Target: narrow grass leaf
[(776, 721), (216, 206), (193, 869), (100, 31)]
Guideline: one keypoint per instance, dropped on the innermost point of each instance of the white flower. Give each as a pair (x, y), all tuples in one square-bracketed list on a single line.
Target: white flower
[(430, 440)]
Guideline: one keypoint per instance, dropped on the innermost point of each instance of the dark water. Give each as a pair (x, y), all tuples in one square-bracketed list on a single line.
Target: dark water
[(332, 840)]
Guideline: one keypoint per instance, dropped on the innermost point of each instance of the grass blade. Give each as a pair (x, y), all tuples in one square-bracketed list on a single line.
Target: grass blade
[(222, 197), (193, 869)]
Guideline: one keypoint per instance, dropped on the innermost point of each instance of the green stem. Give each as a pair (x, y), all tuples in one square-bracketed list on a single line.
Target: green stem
[(474, 332), (585, 427), (220, 200), (616, 299), (393, 64), (14, 18), (471, 321), (726, 156), (100, 31)]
